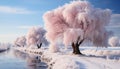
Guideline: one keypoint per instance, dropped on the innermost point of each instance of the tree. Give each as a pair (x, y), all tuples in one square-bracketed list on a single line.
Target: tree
[(20, 41), (76, 22), (35, 36), (113, 41)]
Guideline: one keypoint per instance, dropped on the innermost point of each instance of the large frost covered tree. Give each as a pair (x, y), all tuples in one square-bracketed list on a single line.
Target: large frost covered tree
[(35, 36), (76, 22)]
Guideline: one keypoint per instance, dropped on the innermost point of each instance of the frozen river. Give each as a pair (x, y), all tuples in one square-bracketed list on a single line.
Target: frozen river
[(17, 60)]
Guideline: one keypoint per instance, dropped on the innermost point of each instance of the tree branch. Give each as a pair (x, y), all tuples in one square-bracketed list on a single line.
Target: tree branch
[(78, 39), (40, 45), (81, 42)]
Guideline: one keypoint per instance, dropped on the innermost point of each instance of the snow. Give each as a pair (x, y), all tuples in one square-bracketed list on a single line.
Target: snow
[(30, 50), (109, 58), (114, 41), (68, 64), (94, 58), (53, 48), (82, 62)]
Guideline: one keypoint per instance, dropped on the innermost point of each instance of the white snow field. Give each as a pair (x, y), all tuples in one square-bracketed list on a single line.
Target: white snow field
[(94, 58)]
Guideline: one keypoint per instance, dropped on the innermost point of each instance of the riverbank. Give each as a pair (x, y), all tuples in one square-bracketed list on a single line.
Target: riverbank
[(64, 59)]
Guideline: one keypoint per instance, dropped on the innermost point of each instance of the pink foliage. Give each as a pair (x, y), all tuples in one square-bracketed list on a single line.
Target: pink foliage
[(36, 36), (70, 35), (77, 15)]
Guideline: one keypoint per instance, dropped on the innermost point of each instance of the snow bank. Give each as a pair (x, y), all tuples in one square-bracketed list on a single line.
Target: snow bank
[(61, 60), (66, 60), (69, 63), (110, 54), (30, 50)]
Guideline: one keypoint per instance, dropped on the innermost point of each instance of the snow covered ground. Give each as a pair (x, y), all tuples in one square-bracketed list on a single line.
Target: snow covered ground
[(95, 58)]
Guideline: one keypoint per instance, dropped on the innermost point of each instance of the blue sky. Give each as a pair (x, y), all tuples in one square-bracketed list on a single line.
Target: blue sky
[(16, 16)]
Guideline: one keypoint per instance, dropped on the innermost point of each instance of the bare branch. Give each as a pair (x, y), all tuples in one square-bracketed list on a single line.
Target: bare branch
[(40, 44), (78, 39), (81, 42)]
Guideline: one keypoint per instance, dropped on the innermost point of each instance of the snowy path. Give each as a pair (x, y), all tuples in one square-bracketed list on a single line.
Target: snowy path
[(83, 62), (103, 63), (92, 62), (89, 63)]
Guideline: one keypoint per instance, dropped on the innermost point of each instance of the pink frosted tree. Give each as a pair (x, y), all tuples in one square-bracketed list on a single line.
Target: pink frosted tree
[(35, 36), (76, 22), (20, 41)]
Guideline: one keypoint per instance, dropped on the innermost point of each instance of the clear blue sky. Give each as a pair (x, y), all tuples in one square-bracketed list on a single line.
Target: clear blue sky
[(16, 16)]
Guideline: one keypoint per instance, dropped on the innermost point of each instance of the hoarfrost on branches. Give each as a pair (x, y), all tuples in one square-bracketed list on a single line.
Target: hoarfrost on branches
[(36, 36), (87, 22), (20, 41)]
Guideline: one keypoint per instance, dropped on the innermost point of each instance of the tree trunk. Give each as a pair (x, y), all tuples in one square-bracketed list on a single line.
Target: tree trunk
[(76, 45), (39, 45), (76, 49)]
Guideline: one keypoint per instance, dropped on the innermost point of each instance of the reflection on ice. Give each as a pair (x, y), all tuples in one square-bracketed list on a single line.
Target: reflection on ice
[(19, 54), (32, 61)]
